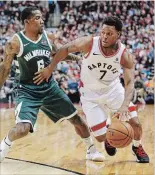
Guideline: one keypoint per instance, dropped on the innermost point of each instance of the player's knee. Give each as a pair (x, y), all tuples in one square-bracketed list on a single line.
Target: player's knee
[(23, 129), (134, 122), (76, 120), (101, 138)]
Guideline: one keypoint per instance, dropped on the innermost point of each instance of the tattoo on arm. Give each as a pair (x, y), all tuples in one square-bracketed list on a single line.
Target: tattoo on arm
[(73, 46), (9, 46), (81, 44), (78, 45), (72, 57), (6, 64), (3, 73)]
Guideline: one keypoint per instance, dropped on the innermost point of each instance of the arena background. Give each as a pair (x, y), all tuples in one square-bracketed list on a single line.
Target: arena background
[(56, 148)]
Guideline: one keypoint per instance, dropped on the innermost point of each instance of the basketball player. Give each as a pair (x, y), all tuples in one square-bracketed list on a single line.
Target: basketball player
[(33, 50), (101, 90)]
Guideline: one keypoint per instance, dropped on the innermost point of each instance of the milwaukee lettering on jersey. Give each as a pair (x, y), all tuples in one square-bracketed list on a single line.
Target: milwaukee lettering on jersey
[(35, 53)]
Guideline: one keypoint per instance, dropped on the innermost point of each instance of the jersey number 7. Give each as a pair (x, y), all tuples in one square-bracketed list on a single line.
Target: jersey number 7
[(104, 72)]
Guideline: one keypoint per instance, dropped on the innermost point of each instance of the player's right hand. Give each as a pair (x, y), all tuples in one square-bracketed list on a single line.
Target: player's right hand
[(42, 75), (123, 114)]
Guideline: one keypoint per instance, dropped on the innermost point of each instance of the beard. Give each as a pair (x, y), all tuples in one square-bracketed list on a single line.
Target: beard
[(40, 31)]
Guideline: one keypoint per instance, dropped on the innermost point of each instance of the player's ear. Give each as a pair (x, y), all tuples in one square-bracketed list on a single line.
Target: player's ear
[(119, 34), (26, 21)]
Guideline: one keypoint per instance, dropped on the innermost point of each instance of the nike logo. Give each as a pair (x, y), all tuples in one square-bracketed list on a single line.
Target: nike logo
[(96, 53), (26, 44), (116, 62)]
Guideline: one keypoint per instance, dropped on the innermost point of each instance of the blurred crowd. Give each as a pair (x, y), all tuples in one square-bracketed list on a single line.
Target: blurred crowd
[(80, 18)]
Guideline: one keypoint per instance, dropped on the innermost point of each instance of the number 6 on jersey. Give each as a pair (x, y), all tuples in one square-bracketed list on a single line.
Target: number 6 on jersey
[(40, 64)]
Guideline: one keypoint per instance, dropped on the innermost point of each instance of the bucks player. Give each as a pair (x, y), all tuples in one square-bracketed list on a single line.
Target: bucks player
[(32, 50)]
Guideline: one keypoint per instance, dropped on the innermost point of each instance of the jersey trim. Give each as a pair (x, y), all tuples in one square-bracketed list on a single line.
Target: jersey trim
[(81, 84), (98, 126), (132, 108), (99, 44), (21, 46), (86, 56), (66, 118), (48, 40), (17, 66), (35, 42)]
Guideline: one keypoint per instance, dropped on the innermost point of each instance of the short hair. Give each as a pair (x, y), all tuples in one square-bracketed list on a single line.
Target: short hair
[(114, 21), (27, 13)]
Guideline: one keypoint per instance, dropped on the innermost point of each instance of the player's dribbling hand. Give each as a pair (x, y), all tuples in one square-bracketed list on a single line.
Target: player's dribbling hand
[(123, 114), (42, 75)]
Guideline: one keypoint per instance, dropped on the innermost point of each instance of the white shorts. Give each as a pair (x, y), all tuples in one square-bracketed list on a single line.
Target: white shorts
[(98, 105)]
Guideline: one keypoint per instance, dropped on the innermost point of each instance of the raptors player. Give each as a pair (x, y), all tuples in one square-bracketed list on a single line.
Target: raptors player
[(101, 90)]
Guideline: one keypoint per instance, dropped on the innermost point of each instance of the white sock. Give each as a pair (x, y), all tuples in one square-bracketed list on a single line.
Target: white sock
[(90, 145), (136, 143), (103, 145), (7, 141)]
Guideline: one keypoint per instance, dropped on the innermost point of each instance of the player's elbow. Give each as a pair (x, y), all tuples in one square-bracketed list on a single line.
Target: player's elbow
[(64, 51), (130, 65), (130, 84)]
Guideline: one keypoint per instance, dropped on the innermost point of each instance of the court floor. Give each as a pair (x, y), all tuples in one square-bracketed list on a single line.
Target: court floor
[(56, 149)]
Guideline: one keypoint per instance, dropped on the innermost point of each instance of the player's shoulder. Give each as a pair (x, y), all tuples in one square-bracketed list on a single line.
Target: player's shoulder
[(50, 35), (13, 44), (14, 40), (127, 59), (126, 53), (96, 37), (122, 44)]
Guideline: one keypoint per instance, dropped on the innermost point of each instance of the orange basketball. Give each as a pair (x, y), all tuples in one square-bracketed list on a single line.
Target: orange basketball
[(120, 134)]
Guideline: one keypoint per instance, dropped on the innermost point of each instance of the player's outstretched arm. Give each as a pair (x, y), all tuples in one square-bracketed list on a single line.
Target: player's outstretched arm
[(70, 57), (56, 45), (82, 44), (11, 49)]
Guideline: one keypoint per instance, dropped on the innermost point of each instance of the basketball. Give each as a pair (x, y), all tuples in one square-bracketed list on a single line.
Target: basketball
[(120, 134)]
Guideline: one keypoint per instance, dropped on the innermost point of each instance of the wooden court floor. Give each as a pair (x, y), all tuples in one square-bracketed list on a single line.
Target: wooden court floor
[(56, 149)]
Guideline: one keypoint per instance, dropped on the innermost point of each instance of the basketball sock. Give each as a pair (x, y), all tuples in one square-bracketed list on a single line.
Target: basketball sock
[(136, 143), (7, 141), (103, 145), (90, 145)]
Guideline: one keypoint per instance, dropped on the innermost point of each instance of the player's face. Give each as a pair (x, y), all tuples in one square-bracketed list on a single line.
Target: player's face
[(36, 22), (109, 35)]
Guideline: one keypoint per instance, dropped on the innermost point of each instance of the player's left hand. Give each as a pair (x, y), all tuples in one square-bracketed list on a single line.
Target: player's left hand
[(42, 75), (123, 114)]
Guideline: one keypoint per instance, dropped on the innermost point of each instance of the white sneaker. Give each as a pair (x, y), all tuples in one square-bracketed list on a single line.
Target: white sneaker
[(4, 149), (96, 156)]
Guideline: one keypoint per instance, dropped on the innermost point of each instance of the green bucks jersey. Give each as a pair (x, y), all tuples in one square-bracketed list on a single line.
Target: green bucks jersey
[(33, 56)]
